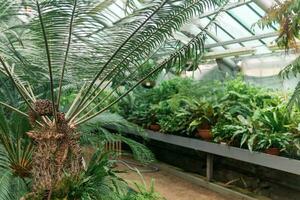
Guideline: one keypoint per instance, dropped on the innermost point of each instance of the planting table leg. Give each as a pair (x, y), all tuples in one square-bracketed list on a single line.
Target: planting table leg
[(209, 166)]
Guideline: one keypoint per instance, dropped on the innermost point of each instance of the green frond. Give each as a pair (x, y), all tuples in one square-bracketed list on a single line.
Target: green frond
[(195, 46), (5, 184), (54, 41), (295, 98), (291, 69), (98, 130)]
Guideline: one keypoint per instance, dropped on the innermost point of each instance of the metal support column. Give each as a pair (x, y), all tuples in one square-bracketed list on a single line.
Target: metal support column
[(209, 166)]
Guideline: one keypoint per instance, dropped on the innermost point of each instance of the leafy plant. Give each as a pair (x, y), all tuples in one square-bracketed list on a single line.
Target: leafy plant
[(286, 14), (241, 130), (169, 117), (143, 193), (15, 157), (53, 41), (273, 140), (203, 115), (273, 119)]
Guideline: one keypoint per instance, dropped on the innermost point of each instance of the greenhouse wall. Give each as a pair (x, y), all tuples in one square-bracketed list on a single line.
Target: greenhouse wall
[(258, 70)]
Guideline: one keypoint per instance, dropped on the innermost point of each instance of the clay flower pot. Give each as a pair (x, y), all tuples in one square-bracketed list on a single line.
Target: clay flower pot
[(154, 127), (205, 134), (273, 151)]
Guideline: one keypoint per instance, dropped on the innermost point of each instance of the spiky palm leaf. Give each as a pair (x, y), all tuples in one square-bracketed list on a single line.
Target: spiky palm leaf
[(117, 51), (54, 41), (15, 158), (98, 129)]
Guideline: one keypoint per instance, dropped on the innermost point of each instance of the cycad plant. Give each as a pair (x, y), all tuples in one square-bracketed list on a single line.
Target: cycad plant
[(63, 43)]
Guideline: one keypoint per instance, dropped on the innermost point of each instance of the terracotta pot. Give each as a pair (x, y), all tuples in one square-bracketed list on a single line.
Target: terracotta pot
[(154, 127), (273, 151), (205, 134)]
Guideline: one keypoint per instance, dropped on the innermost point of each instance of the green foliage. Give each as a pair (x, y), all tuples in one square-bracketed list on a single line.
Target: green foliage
[(147, 106), (55, 43), (97, 132), (286, 14), (143, 193), (203, 114), (15, 156), (273, 140), (98, 181), (238, 113)]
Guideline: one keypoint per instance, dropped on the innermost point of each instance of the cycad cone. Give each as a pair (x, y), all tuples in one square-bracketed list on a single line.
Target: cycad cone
[(57, 151)]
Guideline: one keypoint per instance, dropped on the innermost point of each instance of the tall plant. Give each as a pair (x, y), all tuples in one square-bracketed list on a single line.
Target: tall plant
[(287, 14), (67, 42)]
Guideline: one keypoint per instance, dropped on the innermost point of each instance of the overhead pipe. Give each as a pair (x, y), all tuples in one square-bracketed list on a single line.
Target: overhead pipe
[(265, 4)]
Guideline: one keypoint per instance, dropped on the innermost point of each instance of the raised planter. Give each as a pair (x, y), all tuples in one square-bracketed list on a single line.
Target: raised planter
[(258, 158)]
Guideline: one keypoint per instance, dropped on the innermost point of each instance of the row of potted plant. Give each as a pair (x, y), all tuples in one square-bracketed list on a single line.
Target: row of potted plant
[(230, 112)]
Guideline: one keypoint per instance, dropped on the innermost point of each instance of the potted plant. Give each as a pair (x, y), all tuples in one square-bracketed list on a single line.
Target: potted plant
[(204, 116), (154, 127), (273, 143)]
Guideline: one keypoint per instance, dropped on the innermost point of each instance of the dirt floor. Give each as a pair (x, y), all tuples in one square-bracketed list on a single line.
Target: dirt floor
[(170, 186)]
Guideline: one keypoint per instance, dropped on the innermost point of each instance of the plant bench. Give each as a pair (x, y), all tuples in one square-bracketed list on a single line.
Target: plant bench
[(258, 158)]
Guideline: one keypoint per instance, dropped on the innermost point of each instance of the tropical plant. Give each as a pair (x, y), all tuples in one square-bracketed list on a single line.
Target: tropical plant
[(286, 13), (169, 115), (15, 157), (152, 106), (273, 119), (98, 181), (240, 129), (203, 115), (273, 140), (143, 193), (51, 41)]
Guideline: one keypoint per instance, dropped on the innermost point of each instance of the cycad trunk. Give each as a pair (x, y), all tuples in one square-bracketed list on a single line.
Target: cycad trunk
[(56, 151)]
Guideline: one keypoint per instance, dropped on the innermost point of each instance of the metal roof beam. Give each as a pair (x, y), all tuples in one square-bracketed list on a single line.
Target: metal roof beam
[(243, 25), (245, 39), (225, 31), (258, 14), (227, 7)]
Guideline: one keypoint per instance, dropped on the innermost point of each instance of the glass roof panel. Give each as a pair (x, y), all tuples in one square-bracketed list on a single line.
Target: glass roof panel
[(258, 9), (117, 10), (209, 40), (233, 27), (233, 24)]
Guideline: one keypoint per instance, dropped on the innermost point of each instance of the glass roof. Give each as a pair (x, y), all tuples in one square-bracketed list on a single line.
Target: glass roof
[(234, 28)]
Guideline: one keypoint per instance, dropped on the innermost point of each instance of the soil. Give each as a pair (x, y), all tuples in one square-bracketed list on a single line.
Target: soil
[(170, 186)]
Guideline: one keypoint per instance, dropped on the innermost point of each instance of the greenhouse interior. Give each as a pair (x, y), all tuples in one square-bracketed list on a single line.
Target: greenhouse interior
[(120, 99)]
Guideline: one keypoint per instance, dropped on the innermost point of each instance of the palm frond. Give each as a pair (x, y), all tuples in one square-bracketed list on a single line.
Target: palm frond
[(152, 35), (49, 61), (18, 152), (111, 55), (98, 129), (291, 69), (295, 98), (5, 186), (195, 46), (66, 54)]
